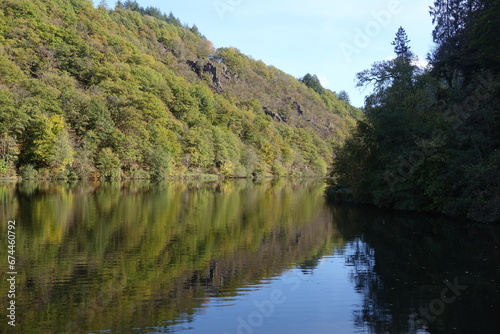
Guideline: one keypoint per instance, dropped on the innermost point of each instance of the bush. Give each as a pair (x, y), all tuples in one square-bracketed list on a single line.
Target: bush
[(108, 163), (7, 169), (28, 172)]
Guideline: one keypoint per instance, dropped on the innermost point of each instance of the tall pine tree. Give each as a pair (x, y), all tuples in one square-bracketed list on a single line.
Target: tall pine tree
[(401, 45)]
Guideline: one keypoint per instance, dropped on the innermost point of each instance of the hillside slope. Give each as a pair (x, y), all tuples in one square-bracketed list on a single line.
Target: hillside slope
[(130, 92)]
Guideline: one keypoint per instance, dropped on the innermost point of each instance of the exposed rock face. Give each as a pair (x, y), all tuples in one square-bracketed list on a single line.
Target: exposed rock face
[(209, 69), (195, 66), (297, 107), (216, 72), (276, 116)]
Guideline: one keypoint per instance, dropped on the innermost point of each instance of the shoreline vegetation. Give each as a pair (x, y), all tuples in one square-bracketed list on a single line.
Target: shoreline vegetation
[(186, 176)]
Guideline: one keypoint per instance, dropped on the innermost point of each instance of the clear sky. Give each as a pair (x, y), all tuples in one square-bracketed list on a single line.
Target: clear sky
[(330, 38)]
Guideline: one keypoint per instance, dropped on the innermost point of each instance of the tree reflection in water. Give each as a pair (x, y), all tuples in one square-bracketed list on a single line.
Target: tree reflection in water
[(123, 255), (115, 256), (400, 262)]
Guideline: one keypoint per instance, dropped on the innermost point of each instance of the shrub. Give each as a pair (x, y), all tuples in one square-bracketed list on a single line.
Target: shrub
[(108, 163)]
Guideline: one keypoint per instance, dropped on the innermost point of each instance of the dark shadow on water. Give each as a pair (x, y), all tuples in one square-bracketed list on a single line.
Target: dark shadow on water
[(422, 272)]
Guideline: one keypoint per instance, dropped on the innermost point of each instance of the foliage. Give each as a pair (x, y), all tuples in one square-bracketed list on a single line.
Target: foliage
[(344, 96), (8, 155), (401, 45), (466, 38), (313, 82), (428, 141), (131, 92), (108, 163), (151, 11), (28, 172)]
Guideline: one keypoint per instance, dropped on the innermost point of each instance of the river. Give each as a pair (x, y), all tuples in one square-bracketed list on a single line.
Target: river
[(238, 257)]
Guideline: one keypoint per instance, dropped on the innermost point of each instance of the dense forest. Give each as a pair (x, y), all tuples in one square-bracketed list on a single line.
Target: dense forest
[(430, 138), (131, 92)]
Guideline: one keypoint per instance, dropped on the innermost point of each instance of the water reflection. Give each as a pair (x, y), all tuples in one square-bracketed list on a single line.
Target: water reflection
[(132, 255), (422, 273), (207, 257)]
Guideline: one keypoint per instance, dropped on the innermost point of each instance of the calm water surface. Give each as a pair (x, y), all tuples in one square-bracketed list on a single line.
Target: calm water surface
[(239, 257)]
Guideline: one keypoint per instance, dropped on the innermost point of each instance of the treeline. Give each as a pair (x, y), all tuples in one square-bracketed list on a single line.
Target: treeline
[(154, 12), (430, 138), (130, 92)]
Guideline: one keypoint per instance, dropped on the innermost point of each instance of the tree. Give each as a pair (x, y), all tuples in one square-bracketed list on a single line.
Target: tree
[(232, 58), (103, 4), (131, 5), (453, 18), (466, 37), (51, 145), (9, 150), (396, 75), (344, 96), (387, 128), (108, 163), (425, 145), (313, 82), (401, 45)]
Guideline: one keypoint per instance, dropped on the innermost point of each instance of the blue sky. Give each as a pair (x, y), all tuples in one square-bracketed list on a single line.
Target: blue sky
[(330, 38)]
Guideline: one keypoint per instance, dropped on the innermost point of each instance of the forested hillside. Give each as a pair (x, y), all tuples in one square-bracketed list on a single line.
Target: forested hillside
[(130, 92), (431, 138)]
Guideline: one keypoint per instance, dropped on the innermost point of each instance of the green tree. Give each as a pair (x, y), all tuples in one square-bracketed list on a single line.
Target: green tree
[(428, 140), (198, 147), (9, 150), (344, 96), (387, 130), (51, 144), (232, 58), (401, 45), (108, 163), (164, 152), (313, 82), (391, 78), (465, 37)]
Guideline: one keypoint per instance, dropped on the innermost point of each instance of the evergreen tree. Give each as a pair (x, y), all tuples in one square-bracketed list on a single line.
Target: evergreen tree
[(401, 45), (131, 5), (313, 82), (396, 75), (344, 96)]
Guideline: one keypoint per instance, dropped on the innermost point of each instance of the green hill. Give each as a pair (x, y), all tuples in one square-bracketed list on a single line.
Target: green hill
[(130, 92)]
